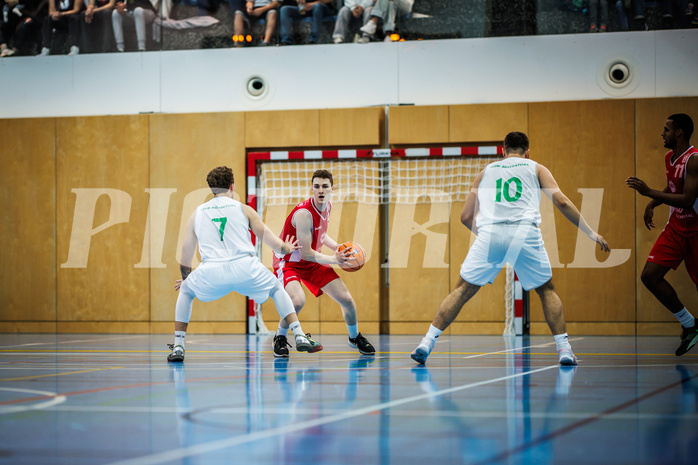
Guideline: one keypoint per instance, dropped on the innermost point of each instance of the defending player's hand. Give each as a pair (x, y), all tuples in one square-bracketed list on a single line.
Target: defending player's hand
[(598, 238), (290, 244), (178, 284), (648, 217), (638, 184)]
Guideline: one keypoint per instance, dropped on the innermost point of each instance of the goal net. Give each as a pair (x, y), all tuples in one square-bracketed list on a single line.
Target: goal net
[(372, 177)]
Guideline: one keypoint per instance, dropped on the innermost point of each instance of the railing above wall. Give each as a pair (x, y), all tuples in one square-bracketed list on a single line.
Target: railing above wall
[(430, 72)]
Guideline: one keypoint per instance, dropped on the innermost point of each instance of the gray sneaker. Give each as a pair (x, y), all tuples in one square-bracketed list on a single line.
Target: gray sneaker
[(305, 344), (177, 354)]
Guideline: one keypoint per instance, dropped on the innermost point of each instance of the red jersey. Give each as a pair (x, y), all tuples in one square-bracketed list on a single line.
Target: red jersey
[(320, 220), (683, 220)]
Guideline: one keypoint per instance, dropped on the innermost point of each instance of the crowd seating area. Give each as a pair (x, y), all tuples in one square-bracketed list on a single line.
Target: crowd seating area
[(28, 28)]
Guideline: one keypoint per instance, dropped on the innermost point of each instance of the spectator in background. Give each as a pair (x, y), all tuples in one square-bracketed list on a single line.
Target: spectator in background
[(63, 15), (255, 11), (675, 13), (621, 7), (353, 11), (638, 13), (141, 12), (20, 25), (599, 22), (97, 31), (12, 16), (301, 10), (385, 11)]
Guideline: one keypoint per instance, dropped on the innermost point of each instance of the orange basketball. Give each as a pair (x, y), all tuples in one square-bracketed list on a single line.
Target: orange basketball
[(358, 258)]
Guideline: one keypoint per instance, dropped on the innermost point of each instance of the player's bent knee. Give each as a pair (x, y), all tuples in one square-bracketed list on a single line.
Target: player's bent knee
[(281, 299)]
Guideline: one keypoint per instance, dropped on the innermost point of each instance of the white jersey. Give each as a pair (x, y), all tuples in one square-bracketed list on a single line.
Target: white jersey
[(223, 230), (509, 192)]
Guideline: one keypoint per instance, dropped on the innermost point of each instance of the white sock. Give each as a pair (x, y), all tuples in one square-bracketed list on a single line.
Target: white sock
[(282, 330), (179, 338), (685, 318), (296, 328), (353, 331), (433, 333), (562, 341)]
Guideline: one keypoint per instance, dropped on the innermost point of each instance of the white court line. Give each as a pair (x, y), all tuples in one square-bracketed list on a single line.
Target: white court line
[(55, 400), (101, 339), (213, 446), (518, 348)]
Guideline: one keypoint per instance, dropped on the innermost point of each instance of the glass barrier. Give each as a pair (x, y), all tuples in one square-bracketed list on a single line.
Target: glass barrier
[(31, 27)]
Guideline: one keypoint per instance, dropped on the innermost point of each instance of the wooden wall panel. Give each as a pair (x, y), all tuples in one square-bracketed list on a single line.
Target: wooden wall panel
[(300, 128), (351, 127), (651, 114), (589, 145), (109, 152), (183, 149), (28, 229), (419, 269), (480, 123), (418, 125)]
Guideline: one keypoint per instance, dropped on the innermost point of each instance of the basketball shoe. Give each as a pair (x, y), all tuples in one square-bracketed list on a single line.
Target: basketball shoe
[(280, 346), (689, 337), (423, 350), (566, 356), (305, 344), (361, 343), (177, 354)]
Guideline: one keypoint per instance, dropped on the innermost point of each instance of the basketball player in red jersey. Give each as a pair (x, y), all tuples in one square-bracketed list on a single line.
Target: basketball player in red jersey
[(679, 240), (308, 221)]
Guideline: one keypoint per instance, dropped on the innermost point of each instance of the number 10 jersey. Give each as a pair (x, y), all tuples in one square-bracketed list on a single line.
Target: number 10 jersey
[(509, 192)]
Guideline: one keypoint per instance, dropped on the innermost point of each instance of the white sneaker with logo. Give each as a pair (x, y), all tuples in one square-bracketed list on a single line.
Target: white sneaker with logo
[(423, 350), (566, 356)]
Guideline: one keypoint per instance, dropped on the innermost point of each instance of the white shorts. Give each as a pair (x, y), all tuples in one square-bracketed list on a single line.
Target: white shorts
[(520, 244), (246, 275)]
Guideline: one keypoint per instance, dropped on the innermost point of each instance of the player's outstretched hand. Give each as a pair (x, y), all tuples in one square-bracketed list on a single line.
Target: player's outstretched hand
[(602, 242), (178, 284), (648, 217), (290, 244), (638, 184)]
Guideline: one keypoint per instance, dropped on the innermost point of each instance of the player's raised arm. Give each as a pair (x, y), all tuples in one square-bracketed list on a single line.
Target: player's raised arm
[(265, 234), (565, 205), (467, 215)]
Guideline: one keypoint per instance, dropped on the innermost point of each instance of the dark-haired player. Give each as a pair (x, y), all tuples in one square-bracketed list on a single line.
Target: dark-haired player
[(679, 240), (308, 223), (507, 193), (221, 227)]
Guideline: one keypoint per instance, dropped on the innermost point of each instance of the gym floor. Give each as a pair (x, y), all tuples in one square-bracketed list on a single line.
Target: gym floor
[(113, 399)]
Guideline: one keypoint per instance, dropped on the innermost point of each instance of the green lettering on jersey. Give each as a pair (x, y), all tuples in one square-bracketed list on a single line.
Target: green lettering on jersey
[(502, 187), (222, 222)]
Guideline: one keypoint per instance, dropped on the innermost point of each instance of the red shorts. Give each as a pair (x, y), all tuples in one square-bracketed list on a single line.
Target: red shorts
[(313, 275), (672, 248)]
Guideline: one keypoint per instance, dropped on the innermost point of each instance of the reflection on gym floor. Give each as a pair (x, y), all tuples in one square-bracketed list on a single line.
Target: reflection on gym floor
[(105, 399)]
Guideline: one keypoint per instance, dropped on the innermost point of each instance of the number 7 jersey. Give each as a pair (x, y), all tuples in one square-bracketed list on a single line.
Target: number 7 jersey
[(223, 230), (509, 191)]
